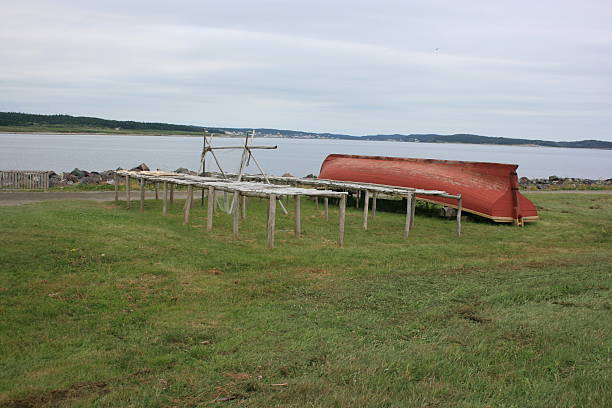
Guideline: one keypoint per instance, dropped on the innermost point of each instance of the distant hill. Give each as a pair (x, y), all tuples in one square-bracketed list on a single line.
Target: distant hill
[(14, 121)]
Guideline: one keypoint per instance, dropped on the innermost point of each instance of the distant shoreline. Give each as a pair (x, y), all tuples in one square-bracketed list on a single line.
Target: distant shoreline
[(48, 133)]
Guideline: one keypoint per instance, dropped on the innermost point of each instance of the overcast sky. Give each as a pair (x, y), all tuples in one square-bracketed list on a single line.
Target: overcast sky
[(532, 69)]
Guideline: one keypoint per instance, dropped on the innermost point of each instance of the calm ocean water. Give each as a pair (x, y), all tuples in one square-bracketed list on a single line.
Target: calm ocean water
[(296, 156)]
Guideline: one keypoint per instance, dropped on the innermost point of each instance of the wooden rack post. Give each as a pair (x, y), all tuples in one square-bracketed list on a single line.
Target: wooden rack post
[(171, 194), (142, 194), (116, 182), (341, 220), (413, 210), (243, 206), (374, 199), (366, 205), (211, 208), (156, 190), (459, 205), (165, 207), (408, 224), (298, 217), (188, 201), (128, 190), (271, 220), (236, 215), (326, 206)]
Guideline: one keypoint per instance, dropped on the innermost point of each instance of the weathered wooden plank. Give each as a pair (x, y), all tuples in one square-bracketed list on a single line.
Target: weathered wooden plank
[(271, 220), (341, 221), (366, 205), (211, 208), (187, 208), (298, 217)]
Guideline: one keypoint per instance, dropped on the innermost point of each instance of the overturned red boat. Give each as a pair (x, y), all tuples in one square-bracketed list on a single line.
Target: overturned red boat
[(487, 189)]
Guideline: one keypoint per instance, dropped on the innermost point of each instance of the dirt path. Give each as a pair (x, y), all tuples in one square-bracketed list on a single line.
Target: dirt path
[(18, 198)]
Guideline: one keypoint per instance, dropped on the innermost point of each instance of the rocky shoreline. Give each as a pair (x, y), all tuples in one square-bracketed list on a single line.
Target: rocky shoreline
[(84, 177)]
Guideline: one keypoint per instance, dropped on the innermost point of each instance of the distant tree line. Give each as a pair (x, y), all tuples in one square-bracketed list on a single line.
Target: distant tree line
[(27, 119)]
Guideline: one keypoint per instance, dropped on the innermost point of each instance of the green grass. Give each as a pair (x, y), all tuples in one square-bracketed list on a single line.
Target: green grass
[(102, 307)]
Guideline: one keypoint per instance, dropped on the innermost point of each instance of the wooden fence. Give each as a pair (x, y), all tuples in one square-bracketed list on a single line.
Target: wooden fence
[(12, 180)]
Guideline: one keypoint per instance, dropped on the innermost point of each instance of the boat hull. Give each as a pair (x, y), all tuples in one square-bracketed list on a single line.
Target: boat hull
[(487, 189)]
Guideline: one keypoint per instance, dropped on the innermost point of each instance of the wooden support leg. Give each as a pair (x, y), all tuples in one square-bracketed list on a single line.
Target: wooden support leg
[(165, 207), (357, 195), (413, 210), (171, 194), (128, 191), (374, 199), (341, 220), (211, 208), (326, 206), (459, 205), (188, 202), (142, 194), (271, 220), (116, 182), (156, 191), (408, 225), (298, 217), (317, 202), (366, 205), (243, 206), (202, 199), (236, 215)]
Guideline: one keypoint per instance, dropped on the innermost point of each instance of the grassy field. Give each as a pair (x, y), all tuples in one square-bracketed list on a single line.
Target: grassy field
[(103, 307)]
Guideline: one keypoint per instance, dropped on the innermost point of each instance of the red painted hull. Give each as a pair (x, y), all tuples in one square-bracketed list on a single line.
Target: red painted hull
[(487, 189)]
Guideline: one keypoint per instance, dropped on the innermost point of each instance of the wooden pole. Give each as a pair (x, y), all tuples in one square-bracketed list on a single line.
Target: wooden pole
[(243, 207), (171, 194), (165, 207), (188, 202), (142, 194), (459, 205), (271, 220), (357, 195), (116, 180), (236, 215), (408, 215), (366, 205), (374, 199), (202, 199), (128, 190), (298, 217), (341, 219), (413, 210), (156, 191), (317, 202), (326, 206), (211, 208)]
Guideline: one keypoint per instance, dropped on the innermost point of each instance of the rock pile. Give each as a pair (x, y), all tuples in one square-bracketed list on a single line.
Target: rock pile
[(78, 176), (554, 182)]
